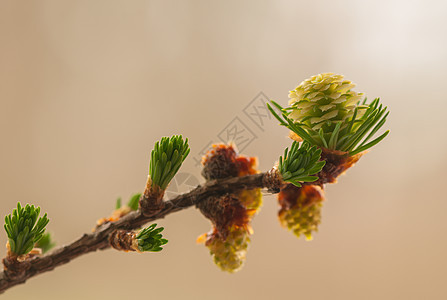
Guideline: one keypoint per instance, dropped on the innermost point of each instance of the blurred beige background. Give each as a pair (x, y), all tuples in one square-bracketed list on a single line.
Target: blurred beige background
[(87, 87)]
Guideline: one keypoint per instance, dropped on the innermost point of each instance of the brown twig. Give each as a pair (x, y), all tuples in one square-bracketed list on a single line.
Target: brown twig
[(99, 239)]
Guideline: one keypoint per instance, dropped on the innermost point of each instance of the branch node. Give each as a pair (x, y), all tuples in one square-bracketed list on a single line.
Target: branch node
[(14, 269), (272, 180)]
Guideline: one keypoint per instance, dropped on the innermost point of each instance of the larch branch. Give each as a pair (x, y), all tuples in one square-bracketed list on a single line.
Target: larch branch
[(99, 239)]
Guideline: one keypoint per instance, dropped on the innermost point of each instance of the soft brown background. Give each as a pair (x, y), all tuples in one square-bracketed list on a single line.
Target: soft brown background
[(87, 87)]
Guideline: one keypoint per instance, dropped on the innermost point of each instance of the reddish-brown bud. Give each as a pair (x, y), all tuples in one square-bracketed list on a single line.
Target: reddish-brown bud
[(337, 162)]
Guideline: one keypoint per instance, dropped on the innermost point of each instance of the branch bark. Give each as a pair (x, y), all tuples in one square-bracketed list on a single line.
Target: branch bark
[(99, 239)]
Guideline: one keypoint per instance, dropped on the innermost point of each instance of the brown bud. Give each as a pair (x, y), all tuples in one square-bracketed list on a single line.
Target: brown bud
[(123, 240), (220, 162), (151, 202), (15, 269), (337, 162), (224, 211)]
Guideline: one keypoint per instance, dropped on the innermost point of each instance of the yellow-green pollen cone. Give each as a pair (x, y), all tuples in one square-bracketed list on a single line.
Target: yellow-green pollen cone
[(302, 220), (301, 209), (323, 100), (229, 254)]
